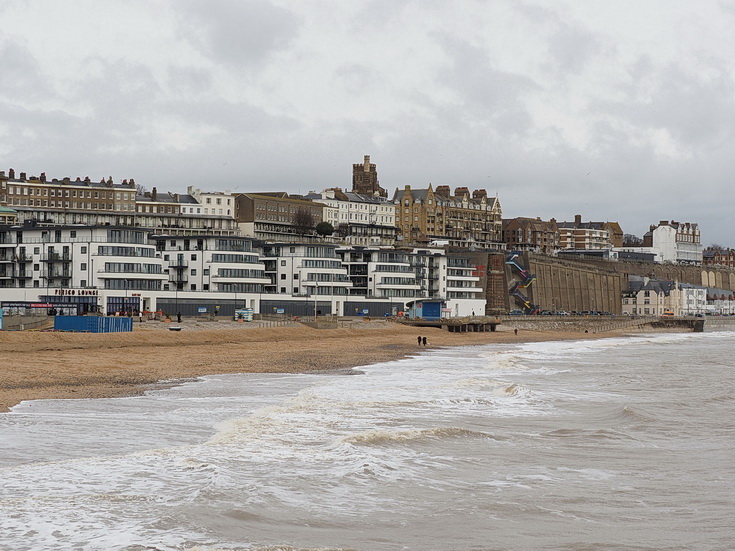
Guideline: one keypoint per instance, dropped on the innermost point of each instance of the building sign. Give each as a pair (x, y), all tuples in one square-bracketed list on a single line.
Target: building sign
[(202, 310), (77, 292)]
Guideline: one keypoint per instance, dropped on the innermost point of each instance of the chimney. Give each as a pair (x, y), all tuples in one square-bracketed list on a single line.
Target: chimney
[(66, 180), (154, 194), (479, 194), (43, 177), (366, 164), (78, 179), (132, 182), (461, 191), (22, 175), (2, 174), (444, 191), (109, 181), (577, 219), (11, 174), (87, 180)]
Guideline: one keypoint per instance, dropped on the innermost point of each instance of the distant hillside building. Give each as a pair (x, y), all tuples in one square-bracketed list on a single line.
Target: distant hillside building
[(67, 201), (675, 242), (460, 220), (274, 216), (531, 234), (358, 219), (715, 256), (580, 235), (365, 179)]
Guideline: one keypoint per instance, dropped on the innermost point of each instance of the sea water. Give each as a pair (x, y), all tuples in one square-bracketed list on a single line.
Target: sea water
[(619, 444)]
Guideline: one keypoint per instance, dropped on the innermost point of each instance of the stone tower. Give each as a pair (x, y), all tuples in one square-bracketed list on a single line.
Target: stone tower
[(365, 179)]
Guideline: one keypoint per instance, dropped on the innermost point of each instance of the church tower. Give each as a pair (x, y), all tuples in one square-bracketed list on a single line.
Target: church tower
[(365, 179)]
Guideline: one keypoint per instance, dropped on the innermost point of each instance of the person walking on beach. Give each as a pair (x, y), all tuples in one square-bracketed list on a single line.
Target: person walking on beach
[(515, 331), (424, 339), (419, 339)]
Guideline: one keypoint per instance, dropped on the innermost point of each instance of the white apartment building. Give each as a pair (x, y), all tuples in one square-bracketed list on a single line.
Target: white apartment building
[(306, 270), (85, 268), (124, 270), (217, 203)]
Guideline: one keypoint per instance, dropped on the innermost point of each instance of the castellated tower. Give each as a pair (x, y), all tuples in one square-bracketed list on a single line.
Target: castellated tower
[(365, 179)]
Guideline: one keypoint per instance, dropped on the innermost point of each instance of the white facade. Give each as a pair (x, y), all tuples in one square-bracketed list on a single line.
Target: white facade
[(677, 243), (693, 299), (210, 203), (352, 210), (299, 269)]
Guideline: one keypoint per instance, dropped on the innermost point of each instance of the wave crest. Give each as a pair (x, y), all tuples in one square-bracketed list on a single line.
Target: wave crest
[(384, 437)]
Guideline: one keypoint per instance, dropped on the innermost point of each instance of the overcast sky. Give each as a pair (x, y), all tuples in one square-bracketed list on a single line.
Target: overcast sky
[(616, 110)]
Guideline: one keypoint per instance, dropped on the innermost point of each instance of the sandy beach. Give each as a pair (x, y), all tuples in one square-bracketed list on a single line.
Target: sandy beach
[(45, 365)]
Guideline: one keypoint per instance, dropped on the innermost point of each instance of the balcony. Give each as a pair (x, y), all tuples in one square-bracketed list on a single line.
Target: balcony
[(54, 257)]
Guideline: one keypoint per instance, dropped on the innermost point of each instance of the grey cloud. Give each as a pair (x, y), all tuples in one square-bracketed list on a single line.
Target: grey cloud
[(189, 81), (690, 108), (245, 32), (21, 77), (572, 47), (490, 96)]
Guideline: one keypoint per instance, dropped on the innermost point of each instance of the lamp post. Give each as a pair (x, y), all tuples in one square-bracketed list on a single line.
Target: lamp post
[(316, 294)]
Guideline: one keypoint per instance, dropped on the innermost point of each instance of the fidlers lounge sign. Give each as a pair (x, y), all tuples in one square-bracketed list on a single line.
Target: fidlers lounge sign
[(76, 292)]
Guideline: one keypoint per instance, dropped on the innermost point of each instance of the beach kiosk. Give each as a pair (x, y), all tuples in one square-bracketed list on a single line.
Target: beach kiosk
[(427, 309)]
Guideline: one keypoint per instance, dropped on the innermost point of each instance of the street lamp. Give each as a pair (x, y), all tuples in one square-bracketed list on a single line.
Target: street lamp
[(316, 294)]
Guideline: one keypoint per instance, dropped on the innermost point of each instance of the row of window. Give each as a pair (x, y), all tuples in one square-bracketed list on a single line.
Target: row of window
[(89, 194), (68, 204)]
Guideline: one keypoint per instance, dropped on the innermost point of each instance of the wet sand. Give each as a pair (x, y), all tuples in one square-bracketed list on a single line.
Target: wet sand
[(46, 365)]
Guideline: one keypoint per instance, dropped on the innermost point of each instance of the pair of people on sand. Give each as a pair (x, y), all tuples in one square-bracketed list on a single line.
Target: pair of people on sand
[(421, 340)]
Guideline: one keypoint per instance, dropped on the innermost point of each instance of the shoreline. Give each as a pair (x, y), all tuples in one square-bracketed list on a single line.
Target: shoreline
[(56, 365)]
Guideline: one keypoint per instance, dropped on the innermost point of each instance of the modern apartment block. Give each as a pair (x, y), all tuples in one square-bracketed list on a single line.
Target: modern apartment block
[(302, 269), (461, 220), (114, 270)]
